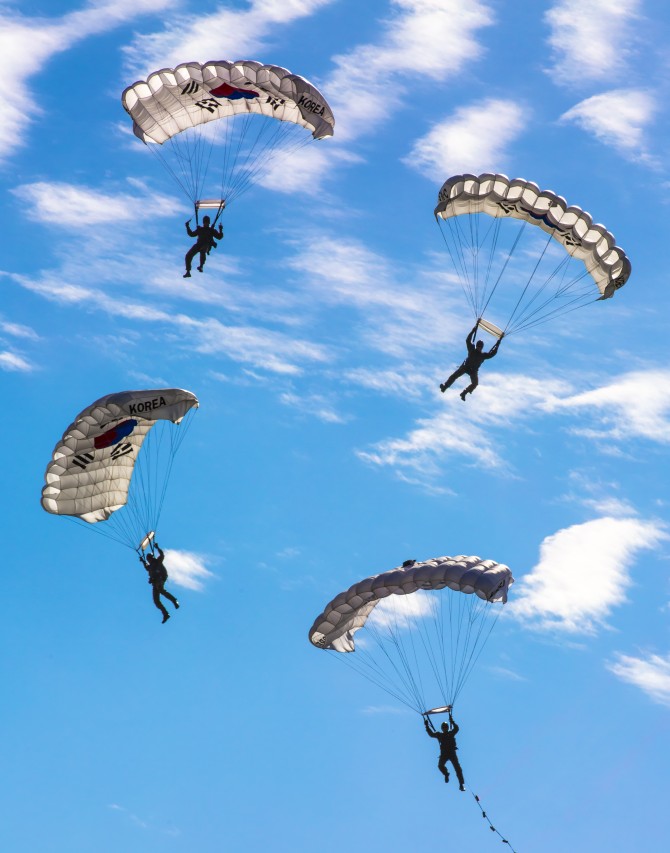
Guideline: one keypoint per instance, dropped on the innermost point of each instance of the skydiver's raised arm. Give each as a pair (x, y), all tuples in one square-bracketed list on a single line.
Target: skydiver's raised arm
[(219, 233), (494, 349), (191, 233), (429, 729), (160, 552), (454, 726)]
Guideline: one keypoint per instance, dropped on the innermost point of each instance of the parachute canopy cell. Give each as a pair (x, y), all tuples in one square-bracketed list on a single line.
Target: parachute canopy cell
[(547, 290), (253, 106), (91, 467)]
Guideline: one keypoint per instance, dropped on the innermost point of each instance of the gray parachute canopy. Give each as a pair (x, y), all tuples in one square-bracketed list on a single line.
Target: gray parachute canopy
[(90, 471), (254, 106), (547, 289), (450, 623)]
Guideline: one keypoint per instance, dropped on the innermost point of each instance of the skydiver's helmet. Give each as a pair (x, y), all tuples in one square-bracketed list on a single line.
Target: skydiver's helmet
[(151, 559), (205, 220), (480, 344), (445, 727)]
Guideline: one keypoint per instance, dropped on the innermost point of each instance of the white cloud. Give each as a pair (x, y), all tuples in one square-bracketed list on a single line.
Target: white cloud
[(313, 404), (263, 348), (474, 139), (223, 34), (187, 569), (400, 611), (27, 44), (11, 361), (651, 674), (73, 206), (636, 405), (429, 39), (617, 118), (591, 40), (584, 572), (18, 331), (465, 429)]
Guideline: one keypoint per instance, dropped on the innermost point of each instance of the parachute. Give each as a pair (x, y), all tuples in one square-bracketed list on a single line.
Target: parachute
[(509, 271), (225, 118), (425, 626), (113, 462)]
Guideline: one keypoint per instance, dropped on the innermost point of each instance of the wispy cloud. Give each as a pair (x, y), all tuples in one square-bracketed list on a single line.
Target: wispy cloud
[(187, 569), (223, 34), (17, 330), (650, 673), (263, 348), (591, 41), (635, 405), (27, 44), (11, 361), (619, 119), (467, 429), (79, 207), (474, 139), (424, 38), (316, 405), (584, 573)]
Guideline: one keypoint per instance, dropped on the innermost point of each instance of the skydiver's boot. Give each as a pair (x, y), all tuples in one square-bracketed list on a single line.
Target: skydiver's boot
[(166, 616), (462, 788), (462, 395), (176, 604), (443, 387), (200, 269), (187, 274)]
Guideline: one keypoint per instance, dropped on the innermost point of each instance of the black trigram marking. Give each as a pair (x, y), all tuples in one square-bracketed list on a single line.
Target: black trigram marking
[(81, 460), (275, 103), (122, 450), (190, 88), (209, 104)]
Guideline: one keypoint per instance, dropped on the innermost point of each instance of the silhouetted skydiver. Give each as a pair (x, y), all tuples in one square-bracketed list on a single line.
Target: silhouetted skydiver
[(475, 358), (447, 740), (157, 577), (207, 235)]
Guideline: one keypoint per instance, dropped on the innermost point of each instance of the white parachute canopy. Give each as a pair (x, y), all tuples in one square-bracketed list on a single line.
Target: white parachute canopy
[(220, 123), (513, 275), (116, 455), (425, 625)]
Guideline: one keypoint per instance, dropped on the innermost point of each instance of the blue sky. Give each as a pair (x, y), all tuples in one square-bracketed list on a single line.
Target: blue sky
[(323, 450)]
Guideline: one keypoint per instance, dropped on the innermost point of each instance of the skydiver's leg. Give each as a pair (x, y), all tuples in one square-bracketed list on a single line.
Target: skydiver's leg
[(442, 767), (474, 382), (454, 376), (157, 601), (170, 597), (457, 767), (203, 258), (188, 260)]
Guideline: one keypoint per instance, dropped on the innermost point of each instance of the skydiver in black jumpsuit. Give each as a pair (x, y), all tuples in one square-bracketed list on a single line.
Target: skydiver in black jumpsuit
[(157, 577), (447, 740), (207, 235), (474, 360)]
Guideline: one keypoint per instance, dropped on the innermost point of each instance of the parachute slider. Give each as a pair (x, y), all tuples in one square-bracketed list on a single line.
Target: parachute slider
[(490, 328), (144, 544), (444, 709), (210, 204)]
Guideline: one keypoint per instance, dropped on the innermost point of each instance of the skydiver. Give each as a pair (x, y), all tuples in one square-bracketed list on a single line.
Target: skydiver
[(447, 740), (157, 577), (205, 242), (474, 360)]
